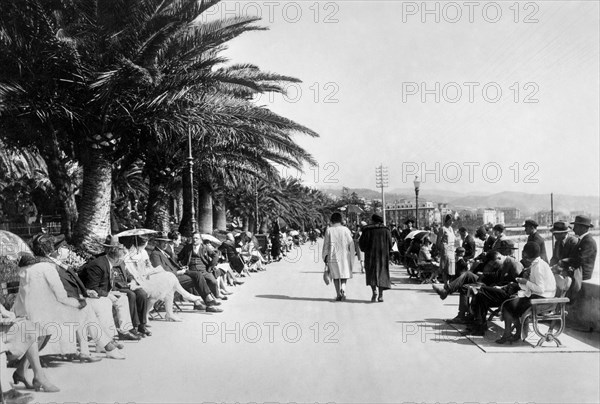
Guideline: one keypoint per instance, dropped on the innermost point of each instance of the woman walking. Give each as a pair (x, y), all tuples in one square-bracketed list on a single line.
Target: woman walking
[(338, 254), (376, 242)]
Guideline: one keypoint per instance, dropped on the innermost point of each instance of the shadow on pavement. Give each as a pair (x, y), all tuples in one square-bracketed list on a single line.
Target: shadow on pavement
[(311, 299)]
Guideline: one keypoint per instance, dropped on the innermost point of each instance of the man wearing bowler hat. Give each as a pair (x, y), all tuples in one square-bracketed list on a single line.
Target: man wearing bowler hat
[(564, 246), (586, 250), (531, 230)]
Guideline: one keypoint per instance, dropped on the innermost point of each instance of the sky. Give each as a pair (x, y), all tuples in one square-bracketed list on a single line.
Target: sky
[(473, 97)]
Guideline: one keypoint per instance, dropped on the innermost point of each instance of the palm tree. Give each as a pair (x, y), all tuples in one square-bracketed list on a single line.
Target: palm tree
[(39, 82)]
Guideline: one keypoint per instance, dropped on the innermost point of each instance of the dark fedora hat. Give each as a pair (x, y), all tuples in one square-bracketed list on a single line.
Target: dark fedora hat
[(530, 222), (162, 236), (499, 227), (480, 232), (377, 218), (560, 227), (583, 220)]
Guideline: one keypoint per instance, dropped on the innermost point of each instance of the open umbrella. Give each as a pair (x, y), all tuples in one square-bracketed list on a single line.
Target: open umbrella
[(416, 233), (294, 233), (215, 241), (135, 232), (11, 245)]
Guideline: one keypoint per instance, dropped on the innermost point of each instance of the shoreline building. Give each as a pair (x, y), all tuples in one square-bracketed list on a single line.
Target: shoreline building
[(400, 210)]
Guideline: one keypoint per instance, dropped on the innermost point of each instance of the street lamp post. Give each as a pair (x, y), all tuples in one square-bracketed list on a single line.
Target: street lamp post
[(417, 184), (190, 161), (381, 180)]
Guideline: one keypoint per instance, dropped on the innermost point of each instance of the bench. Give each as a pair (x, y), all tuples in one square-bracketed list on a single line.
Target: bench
[(550, 310)]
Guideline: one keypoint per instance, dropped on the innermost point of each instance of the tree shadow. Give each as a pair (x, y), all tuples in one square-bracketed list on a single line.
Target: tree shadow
[(312, 299)]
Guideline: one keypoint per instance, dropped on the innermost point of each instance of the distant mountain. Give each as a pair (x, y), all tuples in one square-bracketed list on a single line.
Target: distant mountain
[(530, 203), (525, 202)]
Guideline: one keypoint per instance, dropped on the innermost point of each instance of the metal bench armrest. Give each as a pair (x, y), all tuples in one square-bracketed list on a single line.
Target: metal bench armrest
[(550, 300)]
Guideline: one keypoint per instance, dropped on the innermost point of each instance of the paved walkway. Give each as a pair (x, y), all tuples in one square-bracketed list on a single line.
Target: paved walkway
[(282, 338)]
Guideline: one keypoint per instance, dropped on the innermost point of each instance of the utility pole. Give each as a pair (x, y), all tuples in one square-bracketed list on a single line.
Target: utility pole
[(381, 180)]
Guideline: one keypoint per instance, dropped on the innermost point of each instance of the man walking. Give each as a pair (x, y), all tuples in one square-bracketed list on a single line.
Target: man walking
[(376, 242)]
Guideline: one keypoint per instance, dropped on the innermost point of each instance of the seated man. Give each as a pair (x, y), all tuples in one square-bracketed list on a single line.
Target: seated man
[(107, 276), (188, 279), (461, 264), (468, 244), (482, 234), (503, 270), (101, 325)]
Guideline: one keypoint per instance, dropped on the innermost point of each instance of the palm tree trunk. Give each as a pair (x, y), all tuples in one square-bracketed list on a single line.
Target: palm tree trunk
[(205, 208), (157, 209), (219, 215), (94, 213)]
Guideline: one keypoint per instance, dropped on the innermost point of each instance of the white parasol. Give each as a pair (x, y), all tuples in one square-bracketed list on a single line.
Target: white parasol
[(414, 233), (212, 239)]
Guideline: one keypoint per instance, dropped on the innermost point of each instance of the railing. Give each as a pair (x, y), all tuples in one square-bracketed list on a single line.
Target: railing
[(51, 224)]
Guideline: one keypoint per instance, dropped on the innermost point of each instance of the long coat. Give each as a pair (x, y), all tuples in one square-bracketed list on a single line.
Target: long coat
[(338, 251), (43, 299), (376, 242)]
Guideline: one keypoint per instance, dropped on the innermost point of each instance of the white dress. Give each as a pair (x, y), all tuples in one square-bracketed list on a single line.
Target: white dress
[(158, 283), (43, 300), (338, 248)]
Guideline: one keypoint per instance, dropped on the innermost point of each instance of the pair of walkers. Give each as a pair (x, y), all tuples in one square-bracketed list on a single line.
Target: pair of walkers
[(339, 255)]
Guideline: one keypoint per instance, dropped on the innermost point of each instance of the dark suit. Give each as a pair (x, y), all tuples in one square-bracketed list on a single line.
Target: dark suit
[(584, 256), (469, 246), (190, 280), (96, 275), (71, 282), (539, 240), (564, 249), (200, 264)]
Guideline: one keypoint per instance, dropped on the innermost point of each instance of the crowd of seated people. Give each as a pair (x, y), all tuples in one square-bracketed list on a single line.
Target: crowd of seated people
[(494, 279), (60, 311)]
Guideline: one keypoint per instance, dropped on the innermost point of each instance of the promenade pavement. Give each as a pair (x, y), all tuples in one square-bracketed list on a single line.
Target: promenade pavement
[(282, 338)]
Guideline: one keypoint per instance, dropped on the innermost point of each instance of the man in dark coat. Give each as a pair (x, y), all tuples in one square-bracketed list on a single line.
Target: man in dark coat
[(189, 280), (564, 245), (108, 276), (584, 256), (503, 270), (376, 242), (468, 243), (531, 230)]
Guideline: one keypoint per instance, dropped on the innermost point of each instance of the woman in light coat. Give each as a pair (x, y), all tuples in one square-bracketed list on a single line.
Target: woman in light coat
[(338, 254)]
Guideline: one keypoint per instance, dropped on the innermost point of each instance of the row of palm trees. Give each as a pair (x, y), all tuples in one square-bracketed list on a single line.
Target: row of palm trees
[(115, 87)]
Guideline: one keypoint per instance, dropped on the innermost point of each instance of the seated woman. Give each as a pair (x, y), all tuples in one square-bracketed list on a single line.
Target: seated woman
[(229, 249), (19, 338), (44, 300), (541, 283), (158, 283), (427, 262)]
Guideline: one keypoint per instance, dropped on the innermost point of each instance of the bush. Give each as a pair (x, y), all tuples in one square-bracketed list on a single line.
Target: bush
[(8, 270)]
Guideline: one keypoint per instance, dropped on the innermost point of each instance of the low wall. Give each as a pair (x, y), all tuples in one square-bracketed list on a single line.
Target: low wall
[(584, 312)]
